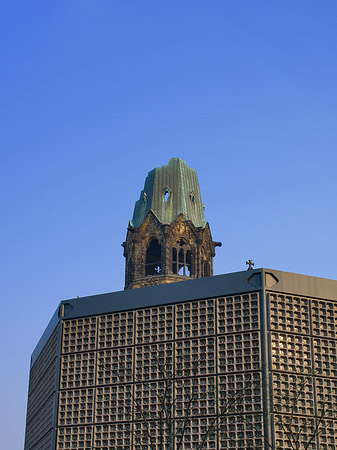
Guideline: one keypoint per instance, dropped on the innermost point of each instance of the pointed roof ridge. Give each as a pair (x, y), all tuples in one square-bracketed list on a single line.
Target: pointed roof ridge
[(170, 190)]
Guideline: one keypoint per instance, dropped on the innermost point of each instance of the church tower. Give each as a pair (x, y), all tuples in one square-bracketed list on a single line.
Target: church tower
[(168, 238)]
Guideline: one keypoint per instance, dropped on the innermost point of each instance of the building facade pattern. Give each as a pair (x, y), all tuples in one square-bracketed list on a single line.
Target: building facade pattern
[(247, 371), (302, 344), (114, 368)]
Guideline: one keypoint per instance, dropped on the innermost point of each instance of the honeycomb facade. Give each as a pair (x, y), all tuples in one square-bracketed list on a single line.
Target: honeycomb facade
[(225, 363), (120, 380), (303, 339)]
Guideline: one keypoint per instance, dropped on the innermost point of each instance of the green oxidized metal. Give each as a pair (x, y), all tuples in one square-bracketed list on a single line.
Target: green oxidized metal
[(170, 191)]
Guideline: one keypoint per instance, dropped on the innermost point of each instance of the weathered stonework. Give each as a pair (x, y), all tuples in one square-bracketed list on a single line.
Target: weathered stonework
[(157, 252)]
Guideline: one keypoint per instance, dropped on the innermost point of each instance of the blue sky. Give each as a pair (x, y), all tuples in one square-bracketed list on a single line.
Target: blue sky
[(94, 94)]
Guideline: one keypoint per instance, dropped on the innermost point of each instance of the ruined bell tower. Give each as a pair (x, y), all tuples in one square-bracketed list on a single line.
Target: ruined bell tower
[(168, 238)]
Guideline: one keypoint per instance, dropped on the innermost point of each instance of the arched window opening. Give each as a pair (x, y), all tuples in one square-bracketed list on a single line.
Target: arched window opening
[(174, 261), (167, 194), (189, 263), (153, 258), (181, 262)]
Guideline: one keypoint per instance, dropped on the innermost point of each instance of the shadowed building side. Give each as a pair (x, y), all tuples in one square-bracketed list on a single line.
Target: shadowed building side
[(168, 238)]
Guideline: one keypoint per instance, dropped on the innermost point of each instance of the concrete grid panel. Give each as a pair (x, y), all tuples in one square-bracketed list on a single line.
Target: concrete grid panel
[(125, 358), (41, 422), (148, 434), (289, 313), (113, 404), (41, 396), (197, 431), (152, 400), (78, 370), (40, 392), (327, 438), (240, 393), (238, 313), (116, 330), (326, 395), (75, 438), (291, 353), (292, 431), (325, 357), (114, 366), (324, 318), (293, 394), (79, 335), (195, 397), (153, 362), (45, 443), (76, 407), (195, 357), (239, 352), (117, 436), (195, 319), (154, 324), (241, 432)]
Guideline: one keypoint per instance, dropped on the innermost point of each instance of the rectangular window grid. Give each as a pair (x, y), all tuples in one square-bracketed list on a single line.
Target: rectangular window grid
[(293, 394), (113, 403), (76, 407), (242, 432), (195, 319), (325, 358), (295, 432), (324, 318), (239, 352), (116, 330), (240, 393), (291, 353), (78, 370), (79, 335), (74, 438), (154, 361), (117, 436), (195, 397), (289, 313), (195, 357), (154, 324), (238, 313), (115, 366)]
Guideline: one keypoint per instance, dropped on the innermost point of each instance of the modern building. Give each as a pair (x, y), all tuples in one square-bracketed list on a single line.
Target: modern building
[(245, 360)]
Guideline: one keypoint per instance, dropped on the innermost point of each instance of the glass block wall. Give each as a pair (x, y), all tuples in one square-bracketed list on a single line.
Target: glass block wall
[(303, 348), (187, 373)]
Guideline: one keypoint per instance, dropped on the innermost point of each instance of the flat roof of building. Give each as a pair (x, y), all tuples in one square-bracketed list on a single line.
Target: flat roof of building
[(194, 289)]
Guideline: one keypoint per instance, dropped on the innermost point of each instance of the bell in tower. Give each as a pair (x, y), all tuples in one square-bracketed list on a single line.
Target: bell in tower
[(168, 238)]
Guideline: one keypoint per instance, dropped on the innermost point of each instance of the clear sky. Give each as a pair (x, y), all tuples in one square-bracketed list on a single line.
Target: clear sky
[(94, 94)]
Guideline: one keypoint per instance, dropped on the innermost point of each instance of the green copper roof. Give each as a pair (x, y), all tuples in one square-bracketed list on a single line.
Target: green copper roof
[(170, 191)]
